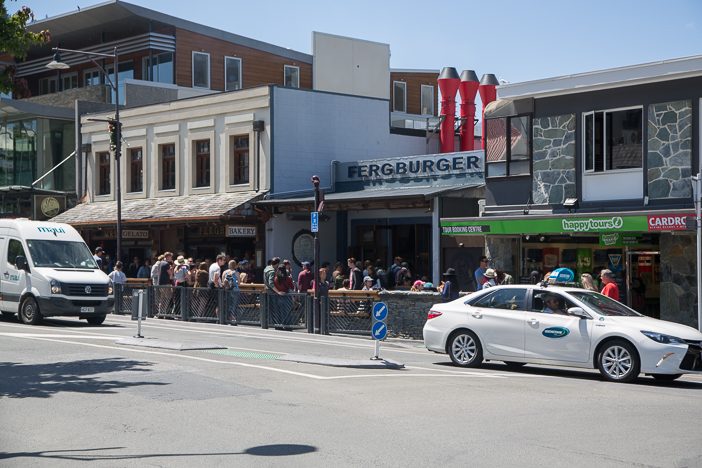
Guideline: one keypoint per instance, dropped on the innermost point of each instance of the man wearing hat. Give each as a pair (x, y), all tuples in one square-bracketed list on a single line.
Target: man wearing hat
[(449, 291), (305, 278), (99, 253), (490, 275)]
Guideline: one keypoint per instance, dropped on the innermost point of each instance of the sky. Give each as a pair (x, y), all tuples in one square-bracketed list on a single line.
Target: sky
[(517, 40)]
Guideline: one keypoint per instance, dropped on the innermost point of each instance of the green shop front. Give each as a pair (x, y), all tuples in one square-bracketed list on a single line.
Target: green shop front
[(652, 253)]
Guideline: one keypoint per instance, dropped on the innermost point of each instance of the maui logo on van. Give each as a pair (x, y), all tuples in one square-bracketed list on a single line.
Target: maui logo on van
[(555, 332), (52, 230)]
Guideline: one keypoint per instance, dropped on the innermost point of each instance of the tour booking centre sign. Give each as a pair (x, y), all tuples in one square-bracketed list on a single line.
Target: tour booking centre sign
[(565, 225)]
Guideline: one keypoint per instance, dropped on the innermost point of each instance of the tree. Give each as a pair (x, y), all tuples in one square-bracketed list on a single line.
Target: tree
[(15, 41)]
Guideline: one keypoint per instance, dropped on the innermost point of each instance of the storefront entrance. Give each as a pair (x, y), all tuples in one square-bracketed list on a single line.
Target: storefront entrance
[(643, 282)]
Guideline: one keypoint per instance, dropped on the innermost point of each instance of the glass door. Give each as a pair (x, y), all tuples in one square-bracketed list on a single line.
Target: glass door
[(643, 282)]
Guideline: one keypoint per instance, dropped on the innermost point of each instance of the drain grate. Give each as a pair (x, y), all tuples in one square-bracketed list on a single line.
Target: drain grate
[(245, 354)]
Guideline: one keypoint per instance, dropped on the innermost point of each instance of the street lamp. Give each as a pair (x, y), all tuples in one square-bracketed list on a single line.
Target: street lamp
[(57, 64)]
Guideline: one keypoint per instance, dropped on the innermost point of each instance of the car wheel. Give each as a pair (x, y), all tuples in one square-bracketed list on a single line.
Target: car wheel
[(29, 311), (618, 361), (515, 365), (666, 377), (464, 349), (96, 320)]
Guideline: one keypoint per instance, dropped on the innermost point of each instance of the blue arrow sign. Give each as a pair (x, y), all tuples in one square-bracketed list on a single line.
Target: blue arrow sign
[(314, 219), (379, 331), (380, 311)]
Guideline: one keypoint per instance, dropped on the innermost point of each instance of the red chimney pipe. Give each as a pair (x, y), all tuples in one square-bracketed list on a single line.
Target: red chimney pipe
[(448, 85), (467, 89), (488, 93)]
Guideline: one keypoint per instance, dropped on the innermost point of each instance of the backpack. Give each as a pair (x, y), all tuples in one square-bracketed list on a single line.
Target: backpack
[(230, 280)]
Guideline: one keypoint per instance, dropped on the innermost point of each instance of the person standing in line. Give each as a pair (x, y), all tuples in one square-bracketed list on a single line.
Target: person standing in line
[(305, 278), (588, 282), (479, 273), (355, 276), (180, 278), (490, 276), (392, 272), (215, 272), (283, 284), (98, 257), (610, 288), (117, 276), (230, 283), (269, 274), (449, 290), (156, 270), (144, 270), (165, 271), (133, 268)]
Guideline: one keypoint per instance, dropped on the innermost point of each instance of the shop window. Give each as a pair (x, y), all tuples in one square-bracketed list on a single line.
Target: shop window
[(232, 73), (168, 166), (158, 68), (613, 140), (399, 96), (136, 170), (103, 172), (201, 70), (508, 146), (291, 76), (239, 163), (202, 163), (427, 100)]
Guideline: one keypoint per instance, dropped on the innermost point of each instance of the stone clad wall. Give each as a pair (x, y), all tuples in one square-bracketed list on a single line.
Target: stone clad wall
[(679, 279), (554, 159), (407, 312), (669, 150)]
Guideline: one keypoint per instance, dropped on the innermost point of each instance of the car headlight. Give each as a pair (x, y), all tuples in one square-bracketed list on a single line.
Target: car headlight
[(662, 338), (109, 289), (55, 287)]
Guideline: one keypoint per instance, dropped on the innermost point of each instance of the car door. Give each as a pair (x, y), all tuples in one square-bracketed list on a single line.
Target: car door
[(12, 280), (556, 336), (499, 321)]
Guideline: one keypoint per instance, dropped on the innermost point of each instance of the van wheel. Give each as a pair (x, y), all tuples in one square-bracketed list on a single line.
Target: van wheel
[(96, 320), (29, 312)]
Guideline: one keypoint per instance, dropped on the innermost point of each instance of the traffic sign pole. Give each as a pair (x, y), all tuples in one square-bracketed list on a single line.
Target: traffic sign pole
[(379, 329)]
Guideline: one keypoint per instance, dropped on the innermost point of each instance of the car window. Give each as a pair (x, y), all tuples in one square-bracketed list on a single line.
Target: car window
[(604, 305), (550, 303), (14, 248), (509, 299)]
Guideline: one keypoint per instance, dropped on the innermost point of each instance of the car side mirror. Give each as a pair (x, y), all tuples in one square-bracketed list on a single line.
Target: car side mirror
[(578, 312), (21, 263)]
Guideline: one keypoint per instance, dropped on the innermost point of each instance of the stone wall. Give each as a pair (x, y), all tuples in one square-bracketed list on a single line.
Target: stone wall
[(502, 252), (407, 312), (669, 150), (68, 97), (554, 159), (679, 278)]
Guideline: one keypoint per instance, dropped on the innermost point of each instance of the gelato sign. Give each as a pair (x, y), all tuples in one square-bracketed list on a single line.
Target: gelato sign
[(592, 224)]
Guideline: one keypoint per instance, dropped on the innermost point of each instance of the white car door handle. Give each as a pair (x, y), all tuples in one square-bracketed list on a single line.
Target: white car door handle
[(477, 315), (533, 321)]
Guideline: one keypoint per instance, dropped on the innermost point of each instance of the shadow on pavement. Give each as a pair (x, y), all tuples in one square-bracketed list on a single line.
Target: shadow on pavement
[(85, 376), (275, 450)]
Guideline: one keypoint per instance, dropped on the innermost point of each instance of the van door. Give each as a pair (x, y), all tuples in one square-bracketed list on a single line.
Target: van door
[(12, 280)]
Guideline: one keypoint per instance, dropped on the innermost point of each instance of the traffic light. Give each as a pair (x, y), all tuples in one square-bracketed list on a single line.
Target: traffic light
[(113, 128)]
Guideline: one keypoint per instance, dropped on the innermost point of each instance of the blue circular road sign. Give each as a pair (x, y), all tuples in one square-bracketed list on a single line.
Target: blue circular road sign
[(379, 331), (380, 311)]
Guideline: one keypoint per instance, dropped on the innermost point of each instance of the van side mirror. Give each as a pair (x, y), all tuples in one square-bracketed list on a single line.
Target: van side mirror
[(579, 312), (21, 263)]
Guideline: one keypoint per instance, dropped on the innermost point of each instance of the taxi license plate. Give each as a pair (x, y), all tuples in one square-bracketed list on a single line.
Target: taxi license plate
[(87, 309)]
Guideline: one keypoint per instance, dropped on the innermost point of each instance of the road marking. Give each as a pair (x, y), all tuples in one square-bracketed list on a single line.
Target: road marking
[(56, 335)]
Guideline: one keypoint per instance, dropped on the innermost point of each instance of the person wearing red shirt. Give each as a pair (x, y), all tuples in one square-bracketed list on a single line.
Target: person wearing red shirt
[(305, 278), (610, 288)]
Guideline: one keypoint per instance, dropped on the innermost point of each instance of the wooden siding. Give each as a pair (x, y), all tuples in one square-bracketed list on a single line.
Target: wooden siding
[(258, 67), (414, 89)]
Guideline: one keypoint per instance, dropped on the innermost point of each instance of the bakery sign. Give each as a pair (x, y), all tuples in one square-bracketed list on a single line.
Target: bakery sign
[(48, 206), (241, 231)]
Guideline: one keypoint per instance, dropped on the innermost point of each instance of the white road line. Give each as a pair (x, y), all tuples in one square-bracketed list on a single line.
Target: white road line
[(142, 351), (56, 335)]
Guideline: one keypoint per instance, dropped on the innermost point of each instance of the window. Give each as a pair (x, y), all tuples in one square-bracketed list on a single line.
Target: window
[(47, 85), (168, 166), (551, 303), (239, 163), (399, 96), (232, 73), (202, 163), (427, 100), (14, 249), (158, 68), (291, 76), (201, 70), (103, 172), (94, 78), (69, 81), (505, 159), (613, 140), (510, 299), (136, 170)]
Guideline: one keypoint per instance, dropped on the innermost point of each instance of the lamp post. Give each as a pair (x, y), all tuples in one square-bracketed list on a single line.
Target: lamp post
[(57, 64), (316, 312)]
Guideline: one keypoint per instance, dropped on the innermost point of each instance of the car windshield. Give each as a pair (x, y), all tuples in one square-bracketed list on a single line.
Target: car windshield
[(60, 254), (604, 305)]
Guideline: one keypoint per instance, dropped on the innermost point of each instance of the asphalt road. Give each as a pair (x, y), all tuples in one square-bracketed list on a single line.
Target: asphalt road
[(71, 396)]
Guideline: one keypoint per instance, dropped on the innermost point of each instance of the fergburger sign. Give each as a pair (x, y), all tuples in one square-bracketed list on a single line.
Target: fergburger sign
[(592, 224)]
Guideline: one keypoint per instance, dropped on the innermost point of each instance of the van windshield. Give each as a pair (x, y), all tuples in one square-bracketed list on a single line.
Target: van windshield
[(60, 254)]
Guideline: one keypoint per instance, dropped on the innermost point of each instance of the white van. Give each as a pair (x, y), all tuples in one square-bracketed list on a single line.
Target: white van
[(47, 270)]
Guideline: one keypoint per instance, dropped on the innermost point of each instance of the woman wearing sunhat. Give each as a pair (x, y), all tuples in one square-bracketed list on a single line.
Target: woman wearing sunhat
[(450, 290), (490, 276)]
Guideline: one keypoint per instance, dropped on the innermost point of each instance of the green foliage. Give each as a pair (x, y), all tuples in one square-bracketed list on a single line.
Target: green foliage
[(15, 40)]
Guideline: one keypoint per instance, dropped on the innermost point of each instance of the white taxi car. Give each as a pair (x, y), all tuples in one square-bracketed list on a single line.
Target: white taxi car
[(563, 326)]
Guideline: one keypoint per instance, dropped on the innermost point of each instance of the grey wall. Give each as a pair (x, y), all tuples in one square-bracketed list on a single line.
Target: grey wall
[(310, 129), (678, 279), (669, 155), (553, 164)]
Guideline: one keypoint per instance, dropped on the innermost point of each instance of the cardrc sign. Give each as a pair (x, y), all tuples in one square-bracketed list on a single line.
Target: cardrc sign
[(667, 223), (555, 332)]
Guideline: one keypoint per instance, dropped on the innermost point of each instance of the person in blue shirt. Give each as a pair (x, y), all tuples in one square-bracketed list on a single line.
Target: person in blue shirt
[(479, 273), (449, 291)]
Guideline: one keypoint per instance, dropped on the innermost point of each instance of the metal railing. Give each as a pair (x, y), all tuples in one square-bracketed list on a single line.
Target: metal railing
[(342, 311)]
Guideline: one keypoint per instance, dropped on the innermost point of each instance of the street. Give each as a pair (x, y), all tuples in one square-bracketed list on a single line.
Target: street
[(70, 394)]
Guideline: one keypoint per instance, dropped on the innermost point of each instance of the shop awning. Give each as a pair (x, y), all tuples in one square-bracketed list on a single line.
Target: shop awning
[(509, 108), (163, 209)]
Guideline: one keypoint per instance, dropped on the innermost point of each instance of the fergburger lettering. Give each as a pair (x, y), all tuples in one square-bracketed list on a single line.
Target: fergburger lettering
[(591, 224)]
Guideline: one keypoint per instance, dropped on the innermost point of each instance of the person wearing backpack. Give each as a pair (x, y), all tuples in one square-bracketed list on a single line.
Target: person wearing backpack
[(230, 283)]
